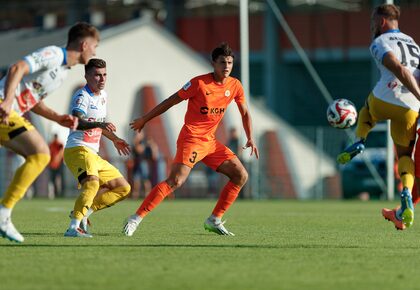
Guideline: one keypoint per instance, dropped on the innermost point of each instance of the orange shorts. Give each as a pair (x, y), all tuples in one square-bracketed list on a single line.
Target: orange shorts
[(212, 153)]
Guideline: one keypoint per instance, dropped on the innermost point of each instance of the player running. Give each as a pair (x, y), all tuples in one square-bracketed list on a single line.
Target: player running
[(80, 154), (23, 89), (208, 97), (391, 214), (395, 97)]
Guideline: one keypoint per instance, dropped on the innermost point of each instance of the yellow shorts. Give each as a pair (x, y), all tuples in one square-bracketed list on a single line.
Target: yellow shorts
[(403, 120), (83, 162), (17, 125)]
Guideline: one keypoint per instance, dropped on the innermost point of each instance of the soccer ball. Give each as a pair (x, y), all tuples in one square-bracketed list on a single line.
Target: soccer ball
[(341, 114)]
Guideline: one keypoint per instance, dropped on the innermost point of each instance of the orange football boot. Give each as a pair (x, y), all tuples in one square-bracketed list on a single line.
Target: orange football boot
[(391, 215)]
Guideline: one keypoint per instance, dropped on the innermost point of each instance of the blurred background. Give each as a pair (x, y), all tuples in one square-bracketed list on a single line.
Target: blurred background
[(300, 54)]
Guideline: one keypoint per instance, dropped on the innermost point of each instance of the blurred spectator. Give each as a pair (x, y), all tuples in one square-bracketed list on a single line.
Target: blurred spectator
[(145, 154), (233, 142), (56, 166)]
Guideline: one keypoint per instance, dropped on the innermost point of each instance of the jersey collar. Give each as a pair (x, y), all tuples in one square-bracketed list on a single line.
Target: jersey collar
[(392, 31), (92, 94), (89, 91)]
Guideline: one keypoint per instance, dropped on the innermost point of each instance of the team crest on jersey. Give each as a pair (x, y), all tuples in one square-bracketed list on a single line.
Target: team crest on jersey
[(186, 86), (103, 101), (227, 93)]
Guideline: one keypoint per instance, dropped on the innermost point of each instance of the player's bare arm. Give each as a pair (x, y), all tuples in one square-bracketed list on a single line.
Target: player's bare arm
[(120, 144), (14, 76), (403, 74), (247, 124), (68, 121), (139, 123), (86, 125)]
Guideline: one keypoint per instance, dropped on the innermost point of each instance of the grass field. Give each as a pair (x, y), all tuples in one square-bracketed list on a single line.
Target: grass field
[(278, 245)]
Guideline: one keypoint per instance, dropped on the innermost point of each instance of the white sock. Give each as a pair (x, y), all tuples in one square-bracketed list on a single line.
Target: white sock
[(137, 218), (5, 212), (74, 224), (216, 219), (89, 212)]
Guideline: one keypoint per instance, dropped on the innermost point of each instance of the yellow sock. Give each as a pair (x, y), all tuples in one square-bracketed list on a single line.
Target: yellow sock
[(406, 171), (24, 177), (109, 198), (85, 199), (364, 123)]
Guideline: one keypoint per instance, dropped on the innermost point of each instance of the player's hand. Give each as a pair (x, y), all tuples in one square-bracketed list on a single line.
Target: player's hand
[(5, 109), (68, 121), (109, 127), (254, 149), (122, 147), (137, 124)]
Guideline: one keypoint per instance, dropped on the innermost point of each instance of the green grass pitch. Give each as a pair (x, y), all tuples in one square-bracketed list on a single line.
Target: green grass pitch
[(278, 245)]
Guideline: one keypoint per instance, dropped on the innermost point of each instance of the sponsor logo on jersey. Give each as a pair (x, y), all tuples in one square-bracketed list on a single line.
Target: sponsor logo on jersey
[(93, 107), (212, 111), (392, 85), (186, 86), (79, 101)]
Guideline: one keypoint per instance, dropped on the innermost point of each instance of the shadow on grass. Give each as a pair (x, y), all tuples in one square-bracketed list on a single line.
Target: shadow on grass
[(237, 246)]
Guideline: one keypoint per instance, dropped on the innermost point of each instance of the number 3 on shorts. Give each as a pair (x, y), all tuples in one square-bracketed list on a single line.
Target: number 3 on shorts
[(193, 157)]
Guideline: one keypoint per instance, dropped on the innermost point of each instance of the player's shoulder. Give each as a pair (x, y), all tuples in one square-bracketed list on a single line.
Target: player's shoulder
[(51, 51), (204, 77), (81, 93), (232, 81)]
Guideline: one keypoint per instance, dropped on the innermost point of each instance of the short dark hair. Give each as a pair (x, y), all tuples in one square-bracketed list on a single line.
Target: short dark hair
[(95, 63), (389, 11), (81, 30), (223, 49)]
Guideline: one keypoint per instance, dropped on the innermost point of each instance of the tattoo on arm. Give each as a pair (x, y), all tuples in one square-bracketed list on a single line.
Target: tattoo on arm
[(84, 124)]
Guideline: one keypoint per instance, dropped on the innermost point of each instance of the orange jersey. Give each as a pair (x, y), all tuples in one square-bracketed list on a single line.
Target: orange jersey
[(207, 103)]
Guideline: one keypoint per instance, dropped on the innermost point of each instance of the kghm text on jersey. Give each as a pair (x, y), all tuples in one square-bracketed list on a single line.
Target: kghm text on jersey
[(212, 111)]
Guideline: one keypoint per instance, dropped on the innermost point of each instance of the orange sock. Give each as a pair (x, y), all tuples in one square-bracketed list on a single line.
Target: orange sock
[(152, 200), (227, 197)]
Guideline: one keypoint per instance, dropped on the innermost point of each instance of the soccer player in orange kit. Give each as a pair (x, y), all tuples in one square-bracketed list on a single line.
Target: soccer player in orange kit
[(208, 97)]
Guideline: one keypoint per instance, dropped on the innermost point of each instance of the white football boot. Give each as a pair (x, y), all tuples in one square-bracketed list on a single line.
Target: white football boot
[(76, 233), (217, 227), (131, 225), (8, 230)]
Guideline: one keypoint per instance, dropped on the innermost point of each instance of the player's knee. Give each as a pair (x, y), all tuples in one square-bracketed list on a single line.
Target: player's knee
[(240, 177), (125, 190), (175, 182), (41, 160)]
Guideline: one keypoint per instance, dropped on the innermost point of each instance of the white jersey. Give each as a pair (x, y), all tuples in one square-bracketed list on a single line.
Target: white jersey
[(47, 71), (94, 108), (389, 88)]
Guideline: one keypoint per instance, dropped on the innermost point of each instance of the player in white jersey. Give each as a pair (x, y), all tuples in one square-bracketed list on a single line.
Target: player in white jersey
[(24, 87), (395, 97), (101, 183)]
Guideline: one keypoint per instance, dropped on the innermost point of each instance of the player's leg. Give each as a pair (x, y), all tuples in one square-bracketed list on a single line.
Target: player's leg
[(22, 138), (177, 177), (365, 122), (187, 155), (83, 164), (406, 172), (403, 133), (223, 160)]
